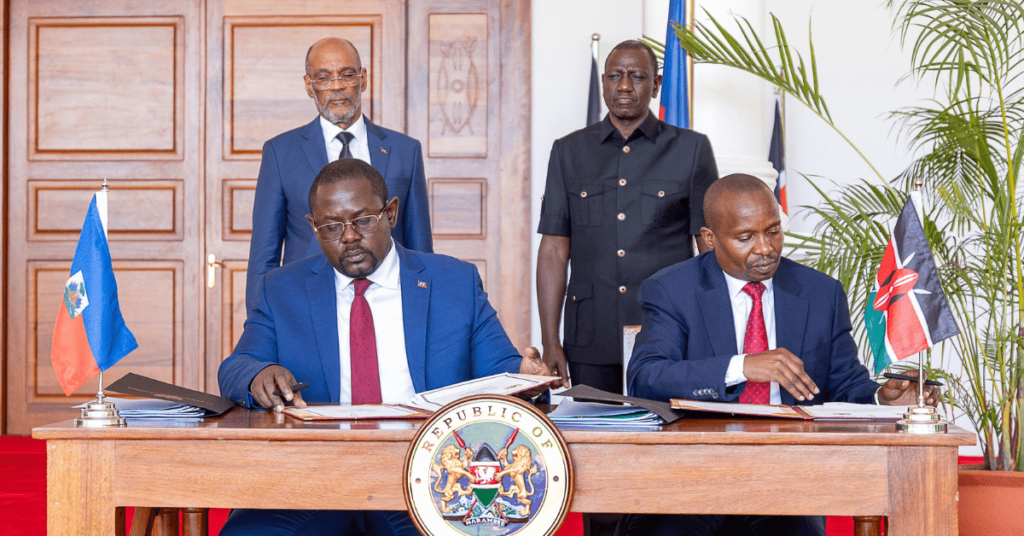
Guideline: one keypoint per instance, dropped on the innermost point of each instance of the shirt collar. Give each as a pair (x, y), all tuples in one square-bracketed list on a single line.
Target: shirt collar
[(386, 275), (736, 286), (649, 127), (330, 130)]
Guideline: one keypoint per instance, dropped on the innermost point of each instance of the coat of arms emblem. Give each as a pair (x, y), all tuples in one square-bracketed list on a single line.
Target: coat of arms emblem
[(488, 465)]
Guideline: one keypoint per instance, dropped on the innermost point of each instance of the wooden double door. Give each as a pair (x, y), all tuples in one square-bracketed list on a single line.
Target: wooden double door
[(171, 101)]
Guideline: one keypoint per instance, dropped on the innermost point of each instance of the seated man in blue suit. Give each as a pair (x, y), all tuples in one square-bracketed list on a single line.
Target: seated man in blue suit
[(742, 324), (365, 321), (335, 80)]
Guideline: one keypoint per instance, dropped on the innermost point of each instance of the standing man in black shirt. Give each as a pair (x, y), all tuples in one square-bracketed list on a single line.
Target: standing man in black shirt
[(624, 199)]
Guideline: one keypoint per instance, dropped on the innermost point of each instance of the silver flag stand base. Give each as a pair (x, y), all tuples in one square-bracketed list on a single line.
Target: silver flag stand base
[(100, 414), (921, 420)]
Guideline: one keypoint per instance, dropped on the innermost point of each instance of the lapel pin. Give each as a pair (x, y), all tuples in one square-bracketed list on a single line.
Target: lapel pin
[(421, 284), (383, 150)]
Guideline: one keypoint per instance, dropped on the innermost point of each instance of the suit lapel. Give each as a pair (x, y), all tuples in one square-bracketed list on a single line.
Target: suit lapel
[(416, 288), (323, 309), (380, 149), (716, 307), (314, 146), (790, 316)]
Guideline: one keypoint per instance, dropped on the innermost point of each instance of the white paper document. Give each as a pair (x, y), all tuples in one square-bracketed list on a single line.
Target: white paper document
[(350, 412), (498, 384)]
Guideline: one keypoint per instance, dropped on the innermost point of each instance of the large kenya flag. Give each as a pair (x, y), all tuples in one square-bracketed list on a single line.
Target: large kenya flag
[(907, 310)]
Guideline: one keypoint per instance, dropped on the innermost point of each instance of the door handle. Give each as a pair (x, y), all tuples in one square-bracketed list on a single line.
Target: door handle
[(211, 270)]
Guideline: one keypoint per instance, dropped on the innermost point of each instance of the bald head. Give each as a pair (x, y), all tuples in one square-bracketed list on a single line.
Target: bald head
[(332, 42), (719, 197)]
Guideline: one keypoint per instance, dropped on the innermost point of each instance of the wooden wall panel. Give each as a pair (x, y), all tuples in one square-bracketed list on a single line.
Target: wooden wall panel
[(458, 85), (138, 209), (91, 100), (458, 208), (238, 198), (148, 293), (264, 92)]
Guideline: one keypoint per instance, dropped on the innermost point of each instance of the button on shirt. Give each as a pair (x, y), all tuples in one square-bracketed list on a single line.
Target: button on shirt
[(630, 206), (742, 304), (385, 298), (359, 145)]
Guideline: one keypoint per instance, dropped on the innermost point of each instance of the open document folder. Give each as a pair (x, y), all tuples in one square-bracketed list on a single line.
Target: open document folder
[(829, 411), (574, 415), (427, 402)]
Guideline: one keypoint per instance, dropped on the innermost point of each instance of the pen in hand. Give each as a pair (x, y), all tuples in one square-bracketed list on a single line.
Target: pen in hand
[(295, 388)]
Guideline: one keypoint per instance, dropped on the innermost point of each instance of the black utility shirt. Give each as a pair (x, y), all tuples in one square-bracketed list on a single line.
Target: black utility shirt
[(629, 208)]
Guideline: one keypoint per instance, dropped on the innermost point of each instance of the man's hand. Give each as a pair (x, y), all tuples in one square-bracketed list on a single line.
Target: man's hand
[(782, 367), (534, 366), (904, 392), (554, 358), (275, 378)]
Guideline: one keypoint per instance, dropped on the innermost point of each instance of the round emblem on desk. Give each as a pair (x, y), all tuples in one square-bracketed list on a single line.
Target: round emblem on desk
[(488, 465)]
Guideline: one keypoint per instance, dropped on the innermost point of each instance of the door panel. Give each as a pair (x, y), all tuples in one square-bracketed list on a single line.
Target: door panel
[(110, 90), (255, 91)]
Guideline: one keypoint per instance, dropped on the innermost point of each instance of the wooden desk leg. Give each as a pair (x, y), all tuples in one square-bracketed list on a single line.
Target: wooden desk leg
[(142, 521), (922, 491), (196, 521), (166, 523), (867, 526), (80, 488)]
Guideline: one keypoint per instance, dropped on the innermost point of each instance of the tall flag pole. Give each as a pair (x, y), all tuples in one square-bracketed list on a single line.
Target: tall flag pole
[(677, 74), (594, 100), (90, 335), (777, 153)]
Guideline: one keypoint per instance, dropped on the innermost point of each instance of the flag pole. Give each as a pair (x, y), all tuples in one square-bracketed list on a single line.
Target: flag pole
[(101, 414), (922, 419)]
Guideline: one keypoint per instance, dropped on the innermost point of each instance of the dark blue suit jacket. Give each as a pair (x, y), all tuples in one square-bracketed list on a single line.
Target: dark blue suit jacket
[(688, 334), (290, 163), (452, 333)]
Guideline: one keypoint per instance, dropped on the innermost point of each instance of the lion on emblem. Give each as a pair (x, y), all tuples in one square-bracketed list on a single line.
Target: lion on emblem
[(456, 467), (522, 463)]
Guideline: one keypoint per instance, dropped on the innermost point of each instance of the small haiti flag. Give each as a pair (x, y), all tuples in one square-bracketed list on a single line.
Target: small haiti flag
[(90, 334), (907, 310)]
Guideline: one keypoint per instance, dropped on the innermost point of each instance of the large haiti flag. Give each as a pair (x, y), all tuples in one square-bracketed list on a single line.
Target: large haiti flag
[(907, 310), (90, 334)]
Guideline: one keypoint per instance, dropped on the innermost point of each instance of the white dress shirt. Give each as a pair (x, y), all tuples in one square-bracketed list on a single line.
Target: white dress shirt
[(359, 145), (385, 298), (742, 304)]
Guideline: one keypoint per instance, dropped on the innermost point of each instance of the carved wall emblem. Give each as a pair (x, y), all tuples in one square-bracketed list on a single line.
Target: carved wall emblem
[(488, 465), (457, 84)]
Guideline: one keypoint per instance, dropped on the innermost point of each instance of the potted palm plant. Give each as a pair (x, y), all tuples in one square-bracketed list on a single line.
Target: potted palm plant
[(968, 143)]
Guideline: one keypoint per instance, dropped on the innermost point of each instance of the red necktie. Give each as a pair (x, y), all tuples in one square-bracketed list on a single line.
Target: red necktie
[(363, 348), (755, 341)]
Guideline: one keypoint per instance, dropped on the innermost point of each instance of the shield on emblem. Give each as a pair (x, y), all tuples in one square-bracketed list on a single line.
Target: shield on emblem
[(484, 466)]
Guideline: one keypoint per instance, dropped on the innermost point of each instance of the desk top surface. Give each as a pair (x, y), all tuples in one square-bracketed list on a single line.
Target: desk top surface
[(247, 424)]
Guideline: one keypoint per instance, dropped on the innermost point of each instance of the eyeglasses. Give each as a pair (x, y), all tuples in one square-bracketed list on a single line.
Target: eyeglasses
[(331, 232), (326, 82)]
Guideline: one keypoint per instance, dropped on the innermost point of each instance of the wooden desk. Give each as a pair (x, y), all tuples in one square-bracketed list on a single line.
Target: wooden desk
[(255, 459)]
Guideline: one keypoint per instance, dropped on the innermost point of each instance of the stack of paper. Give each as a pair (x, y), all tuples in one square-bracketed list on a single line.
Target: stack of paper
[(574, 415), (152, 411)]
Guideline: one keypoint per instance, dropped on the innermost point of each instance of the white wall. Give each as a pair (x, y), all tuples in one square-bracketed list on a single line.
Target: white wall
[(859, 62)]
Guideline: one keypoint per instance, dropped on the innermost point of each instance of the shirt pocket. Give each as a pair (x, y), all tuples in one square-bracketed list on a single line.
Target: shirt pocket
[(662, 203), (585, 200), (579, 314)]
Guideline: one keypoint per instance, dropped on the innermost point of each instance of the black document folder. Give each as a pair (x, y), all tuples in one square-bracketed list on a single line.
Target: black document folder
[(133, 384)]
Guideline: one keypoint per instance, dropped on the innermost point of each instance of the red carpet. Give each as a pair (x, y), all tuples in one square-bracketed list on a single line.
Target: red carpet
[(23, 494)]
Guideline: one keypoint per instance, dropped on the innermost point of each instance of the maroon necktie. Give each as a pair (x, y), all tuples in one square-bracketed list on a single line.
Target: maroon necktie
[(755, 341), (363, 348)]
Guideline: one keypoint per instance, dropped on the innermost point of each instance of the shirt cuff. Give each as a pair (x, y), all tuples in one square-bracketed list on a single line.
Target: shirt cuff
[(734, 374)]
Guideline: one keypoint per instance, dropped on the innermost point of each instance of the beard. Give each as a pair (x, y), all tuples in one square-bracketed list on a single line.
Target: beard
[(357, 273), (344, 118)]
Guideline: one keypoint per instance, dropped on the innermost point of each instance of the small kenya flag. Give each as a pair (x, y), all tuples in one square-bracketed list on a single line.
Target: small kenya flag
[(907, 310)]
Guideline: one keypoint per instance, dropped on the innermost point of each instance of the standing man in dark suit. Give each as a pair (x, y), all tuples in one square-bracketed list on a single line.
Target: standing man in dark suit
[(335, 80), (623, 200), (364, 322), (742, 324)]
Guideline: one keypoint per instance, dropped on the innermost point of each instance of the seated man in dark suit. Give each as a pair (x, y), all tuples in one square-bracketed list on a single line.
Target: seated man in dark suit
[(365, 321), (742, 324)]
